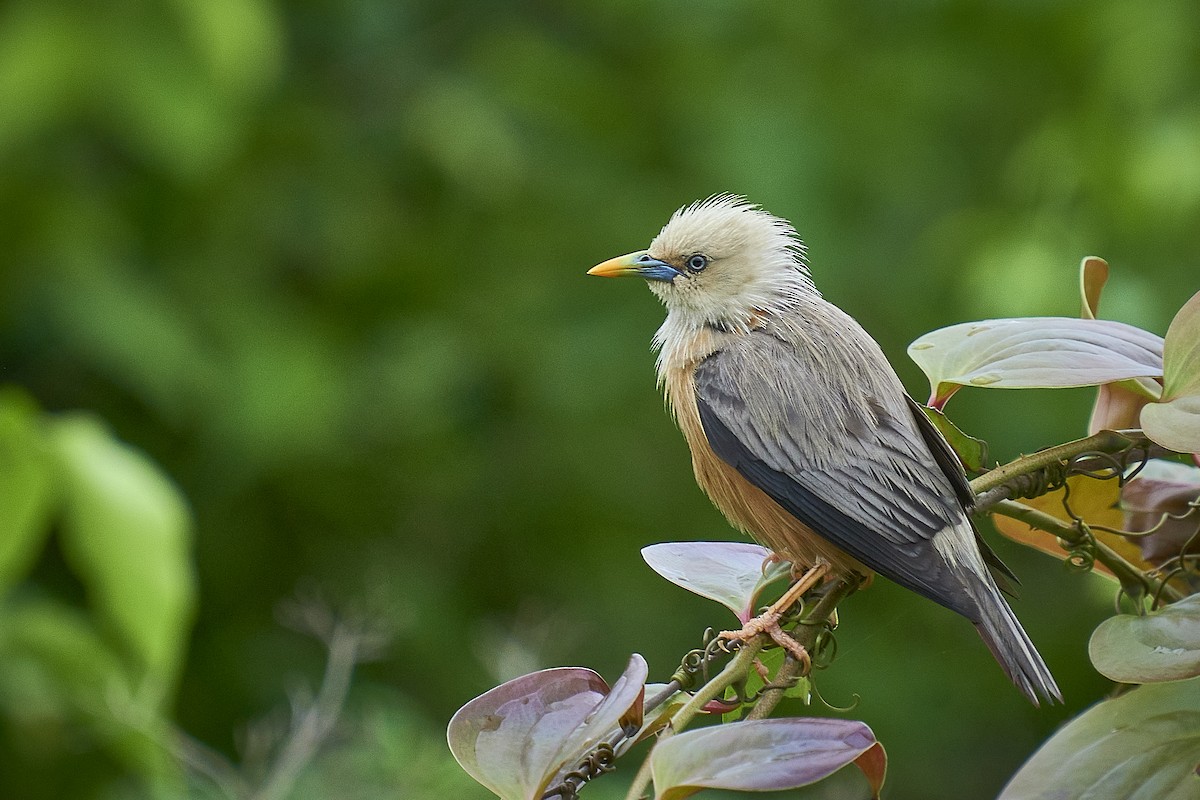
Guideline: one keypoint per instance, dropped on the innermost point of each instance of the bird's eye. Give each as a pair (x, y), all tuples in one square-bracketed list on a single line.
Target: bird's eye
[(697, 262)]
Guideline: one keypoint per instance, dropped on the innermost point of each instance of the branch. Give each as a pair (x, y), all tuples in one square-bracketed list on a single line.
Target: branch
[(989, 487), (1127, 573), (310, 730)]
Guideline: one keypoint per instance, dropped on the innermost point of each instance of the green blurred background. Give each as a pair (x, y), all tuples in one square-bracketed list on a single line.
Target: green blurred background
[(323, 262)]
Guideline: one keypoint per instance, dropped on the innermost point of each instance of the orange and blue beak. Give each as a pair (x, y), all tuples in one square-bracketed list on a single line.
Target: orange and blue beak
[(639, 265)]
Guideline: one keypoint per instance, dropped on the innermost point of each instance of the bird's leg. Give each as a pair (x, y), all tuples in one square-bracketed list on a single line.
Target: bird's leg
[(807, 581), (768, 621)]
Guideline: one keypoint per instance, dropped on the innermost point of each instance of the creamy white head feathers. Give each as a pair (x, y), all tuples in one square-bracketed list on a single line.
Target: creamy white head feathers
[(750, 262)]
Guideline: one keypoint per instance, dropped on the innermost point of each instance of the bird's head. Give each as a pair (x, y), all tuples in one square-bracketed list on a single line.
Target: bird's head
[(720, 262)]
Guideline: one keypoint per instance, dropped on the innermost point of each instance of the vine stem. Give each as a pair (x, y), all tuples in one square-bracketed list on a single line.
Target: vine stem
[(1128, 574), (1103, 442), (737, 669), (806, 635)]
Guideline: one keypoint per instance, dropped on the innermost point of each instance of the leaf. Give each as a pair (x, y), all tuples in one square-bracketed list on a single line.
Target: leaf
[(127, 534), (1093, 274), (1093, 500), (1160, 646), (53, 660), (516, 738), (1143, 745), (1162, 487), (1119, 405), (1034, 352), (1174, 422), (972, 452), (761, 756), (26, 489), (657, 718), (732, 573)]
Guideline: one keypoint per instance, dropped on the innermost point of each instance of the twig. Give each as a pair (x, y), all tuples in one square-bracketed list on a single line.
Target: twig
[(204, 760), (314, 725)]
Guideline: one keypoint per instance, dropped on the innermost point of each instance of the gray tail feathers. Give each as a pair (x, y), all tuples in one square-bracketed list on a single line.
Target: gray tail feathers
[(1011, 646)]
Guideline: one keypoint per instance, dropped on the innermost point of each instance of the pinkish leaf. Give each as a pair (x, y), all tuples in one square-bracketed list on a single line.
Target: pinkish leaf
[(1118, 405), (1162, 487), (1034, 352), (760, 756), (732, 573), (517, 738), (873, 763)]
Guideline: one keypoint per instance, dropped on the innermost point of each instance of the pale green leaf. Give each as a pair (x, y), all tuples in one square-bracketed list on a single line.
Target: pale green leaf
[(763, 755), (1143, 745), (731, 573), (517, 738), (1161, 646), (1034, 352), (1174, 423)]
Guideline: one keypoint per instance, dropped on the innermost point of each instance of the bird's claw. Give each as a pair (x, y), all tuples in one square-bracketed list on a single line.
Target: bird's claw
[(768, 623)]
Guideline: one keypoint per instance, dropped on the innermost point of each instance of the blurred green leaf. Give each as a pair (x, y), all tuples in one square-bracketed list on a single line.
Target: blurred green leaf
[(1174, 422), (1034, 352), (127, 533), (53, 656), (1161, 646), (26, 486), (762, 755), (241, 41), (731, 573), (1139, 746)]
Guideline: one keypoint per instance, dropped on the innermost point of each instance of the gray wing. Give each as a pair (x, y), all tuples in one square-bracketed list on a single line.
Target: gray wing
[(841, 452)]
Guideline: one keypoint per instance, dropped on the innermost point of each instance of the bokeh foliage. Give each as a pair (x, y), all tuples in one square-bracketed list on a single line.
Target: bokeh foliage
[(323, 262)]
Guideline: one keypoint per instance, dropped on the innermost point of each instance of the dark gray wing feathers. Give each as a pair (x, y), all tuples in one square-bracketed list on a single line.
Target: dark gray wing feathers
[(855, 472)]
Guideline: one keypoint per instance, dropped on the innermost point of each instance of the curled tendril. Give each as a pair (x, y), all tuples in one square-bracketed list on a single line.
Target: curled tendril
[(696, 662), (856, 698), (1039, 482), (824, 649), (1081, 556), (597, 762)]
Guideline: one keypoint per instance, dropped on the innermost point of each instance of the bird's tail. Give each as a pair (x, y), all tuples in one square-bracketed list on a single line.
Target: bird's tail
[(1011, 646)]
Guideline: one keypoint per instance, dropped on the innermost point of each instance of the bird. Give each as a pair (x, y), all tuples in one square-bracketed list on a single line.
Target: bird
[(801, 432)]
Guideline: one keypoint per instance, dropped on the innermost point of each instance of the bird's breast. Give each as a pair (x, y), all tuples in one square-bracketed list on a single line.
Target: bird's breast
[(745, 505)]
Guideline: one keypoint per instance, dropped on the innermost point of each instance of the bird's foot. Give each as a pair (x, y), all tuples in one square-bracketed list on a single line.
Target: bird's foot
[(768, 623)]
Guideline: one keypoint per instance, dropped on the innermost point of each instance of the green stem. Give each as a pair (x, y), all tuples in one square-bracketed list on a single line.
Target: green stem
[(1128, 574), (1103, 442), (737, 669), (806, 634)]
